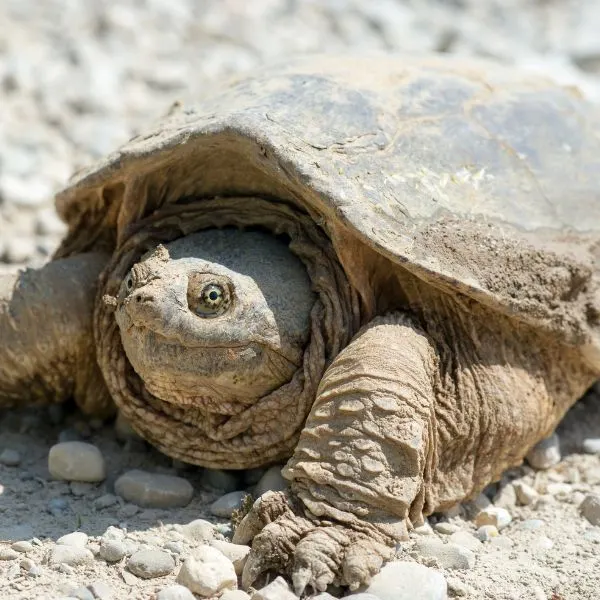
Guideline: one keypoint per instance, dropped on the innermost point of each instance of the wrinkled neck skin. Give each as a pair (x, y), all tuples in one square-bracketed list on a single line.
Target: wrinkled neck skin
[(214, 321)]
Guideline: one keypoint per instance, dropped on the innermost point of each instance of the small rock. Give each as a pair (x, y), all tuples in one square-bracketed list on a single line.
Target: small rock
[(175, 592), (199, 530), (531, 524), (424, 529), (502, 542), (590, 508), (18, 250), (35, 571), (70, 555), (10, 457), (591, 445), (225, 505), (457, 588), (105, 501), (486, 532), (154, 490), (113, 533), (22, 546), (506, 497), (545, 454), (466, 540), (448, 556), (76, 461), (271, 481), (7, 553), (77, 538), (174, 546), (81, 488), (128, 510), (26, 564), (148, 564), (82, 593), (112, 550), (560, 490), (278, 589), (401, 580), (101, 590), (207, 572), (526, 494), (227, 481), (239, 595), (57, 506), (446, 528), (236, 553), (498, 517)]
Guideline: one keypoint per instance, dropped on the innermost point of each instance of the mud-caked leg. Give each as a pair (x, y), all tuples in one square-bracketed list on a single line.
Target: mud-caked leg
[(47, 351), (362, 463)]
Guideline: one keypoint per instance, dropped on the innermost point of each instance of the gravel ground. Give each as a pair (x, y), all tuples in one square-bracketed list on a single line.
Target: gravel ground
[(77, 78)]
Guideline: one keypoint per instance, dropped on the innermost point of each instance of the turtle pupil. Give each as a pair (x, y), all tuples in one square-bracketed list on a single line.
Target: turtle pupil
[(213, 295)]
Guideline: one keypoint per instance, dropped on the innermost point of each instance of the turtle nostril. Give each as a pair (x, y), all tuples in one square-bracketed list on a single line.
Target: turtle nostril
[(145, 298)]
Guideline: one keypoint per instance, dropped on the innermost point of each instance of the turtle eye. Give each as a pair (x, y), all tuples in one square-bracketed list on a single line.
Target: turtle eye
[(129, 282), (213, 300)]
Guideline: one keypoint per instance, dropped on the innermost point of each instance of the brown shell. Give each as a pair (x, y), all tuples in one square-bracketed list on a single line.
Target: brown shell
[(467, 174)]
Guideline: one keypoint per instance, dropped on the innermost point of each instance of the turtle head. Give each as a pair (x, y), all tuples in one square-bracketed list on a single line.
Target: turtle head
[(217, 319)]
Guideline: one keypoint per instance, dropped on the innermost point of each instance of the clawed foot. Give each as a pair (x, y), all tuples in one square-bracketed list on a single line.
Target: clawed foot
[(314, 555)]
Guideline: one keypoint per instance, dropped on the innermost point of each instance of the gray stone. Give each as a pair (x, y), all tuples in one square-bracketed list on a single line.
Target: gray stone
[(591, 445), (400, 580), (112, 550), (486, 532), (448, 556), (218, 479), (506, 497), (154, 490), (58, 506), (70, 555), (105, 501), (35, 571), (77, 538), (81, 488), (225, 505), (271, 481), (446, 528), (76, 461), (82, 593), (545, 454), (149, 564), (175, 592), (278, 589), (101, 590), (590, 508), (239, 595), (207, 572), (466, 540), (10, 457), (531, 524)]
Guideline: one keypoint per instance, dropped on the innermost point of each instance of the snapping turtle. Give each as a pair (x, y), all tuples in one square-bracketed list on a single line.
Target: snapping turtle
[(384, 270)]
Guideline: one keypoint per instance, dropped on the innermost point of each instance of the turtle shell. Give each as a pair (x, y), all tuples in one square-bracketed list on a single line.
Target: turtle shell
[(469, 175)]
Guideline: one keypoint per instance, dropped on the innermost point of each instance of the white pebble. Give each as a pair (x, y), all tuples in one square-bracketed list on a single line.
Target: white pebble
[(526, 494), (498, 517), (77, 538), (18, 250), (271, 481), (154, 490), (236, 553), (506, 497), (7, 553), (590, 508), (149, 564), (278, 589), (207, 572), (448, 556), (466, 540), (70, 555), (22, 546), (561, 490), (101, 590), (198, 530), (486, 532), (76, 461), (225, 505), (235, 595), (401, 580), (10, 457), (175, 592), (545, 453), (424, 529)]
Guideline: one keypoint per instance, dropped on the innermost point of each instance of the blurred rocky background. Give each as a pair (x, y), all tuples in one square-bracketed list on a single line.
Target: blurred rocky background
[(79, 77)]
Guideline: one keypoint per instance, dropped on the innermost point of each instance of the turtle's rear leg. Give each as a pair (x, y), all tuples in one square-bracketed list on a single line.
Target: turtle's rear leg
[(47, 351)]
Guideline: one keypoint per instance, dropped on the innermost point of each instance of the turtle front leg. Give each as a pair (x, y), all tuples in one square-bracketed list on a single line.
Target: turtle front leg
[(47, 351), (361, 467)]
